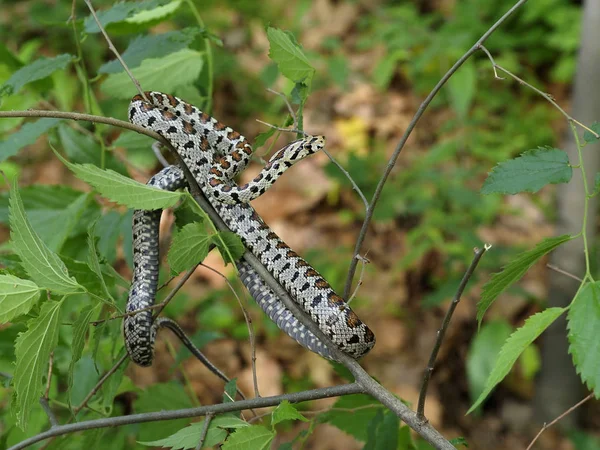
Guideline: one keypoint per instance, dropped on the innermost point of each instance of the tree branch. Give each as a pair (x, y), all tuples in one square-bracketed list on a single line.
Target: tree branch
[(369, 213), (442, 331), (221, 408)]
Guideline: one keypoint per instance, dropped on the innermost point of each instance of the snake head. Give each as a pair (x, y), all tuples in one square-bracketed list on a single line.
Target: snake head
[(304, 147)]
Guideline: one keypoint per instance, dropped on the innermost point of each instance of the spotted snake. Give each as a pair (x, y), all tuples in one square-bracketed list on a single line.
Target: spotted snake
[(215, 154)]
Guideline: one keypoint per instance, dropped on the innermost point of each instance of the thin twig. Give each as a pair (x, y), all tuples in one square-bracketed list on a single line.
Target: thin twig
[(49, 412), (347, 174), (114, 50), (49, 378), (99, 384), (546, 96), (568, 411), (564, 272), (262, 402), (392, 161), (248, 320), (286, 130), (442, 331), (364, 261), (161, 159), (204, 432)]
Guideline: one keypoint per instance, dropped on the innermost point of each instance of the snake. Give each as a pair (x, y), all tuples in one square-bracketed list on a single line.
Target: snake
[(214, 154)]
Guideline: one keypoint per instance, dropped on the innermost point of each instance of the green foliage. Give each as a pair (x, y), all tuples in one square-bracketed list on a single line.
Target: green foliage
[(38, 70), (164, 74), (514, 346), (382, 431), (514, 271), (355, 411), (189, 247), (32, 350), (529, 172), (286, 411), (121, 189), (583, 325), (589, 137), (256, 437), (17, 297), (43, 265), (290, 58), (26, 135)]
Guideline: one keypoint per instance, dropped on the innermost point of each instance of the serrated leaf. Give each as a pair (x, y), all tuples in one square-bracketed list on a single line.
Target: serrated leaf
[(165, 396), (514, 271), (288, 55), (583, 326), (17, 297), (352, 422), (151, 46), (255, 437), (286, 411), (188, 437), (589, 137), (80, 328), (26, 135), (160, 74), (123, 190), (43, 265), (514, 346), (483, 353), (32, 349), (529, 172), (189, 247), (228, 244), (37, 70)]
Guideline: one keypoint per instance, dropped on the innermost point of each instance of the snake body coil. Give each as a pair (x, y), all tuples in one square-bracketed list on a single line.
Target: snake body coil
[(214, 154)]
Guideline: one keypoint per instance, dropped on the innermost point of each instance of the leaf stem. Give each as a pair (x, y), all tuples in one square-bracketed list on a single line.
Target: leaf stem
[(209, 58)]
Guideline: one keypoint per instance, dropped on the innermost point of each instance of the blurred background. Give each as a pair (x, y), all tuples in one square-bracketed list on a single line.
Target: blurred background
[(375, 62)]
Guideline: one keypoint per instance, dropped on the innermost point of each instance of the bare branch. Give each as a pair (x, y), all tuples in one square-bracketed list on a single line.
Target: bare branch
[(49, 412), (568, 411), (442, 331), (204, 431), (369, 214), (546, 96), (221, 408), (347, 174), (564, 272)]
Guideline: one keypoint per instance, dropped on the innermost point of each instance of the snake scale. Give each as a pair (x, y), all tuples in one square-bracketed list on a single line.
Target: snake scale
[(214, 154)]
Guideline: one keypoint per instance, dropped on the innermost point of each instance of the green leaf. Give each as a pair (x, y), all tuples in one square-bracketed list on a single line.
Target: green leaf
[(286, 411), (151, 46), (483, 353), (230, 391), (165, 396), (589, 137), (37, 70), (83, 149), (32, 350), (56, 231), (94, 262), (382, 431), (26, 135), (255, 437), (123, 190), (189, 247), (188, 437), (228, 244), (596, 184), (514, 271), (43, 265), (584, 325), (462, 86), (17, 297), (119, 13), (352, 422), (529, 172), (160, 74), (80, 328), (160, 12), (514, 346), (288, 55)]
